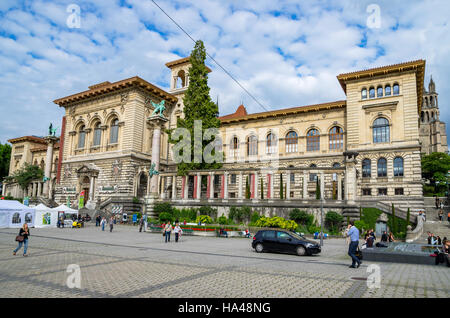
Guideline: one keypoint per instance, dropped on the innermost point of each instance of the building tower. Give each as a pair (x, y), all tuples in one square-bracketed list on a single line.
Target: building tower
[(433, 134)]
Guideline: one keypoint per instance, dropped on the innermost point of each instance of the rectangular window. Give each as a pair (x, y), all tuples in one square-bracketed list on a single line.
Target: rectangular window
[(398, 191), (233, 179), (382, 191), (367, 191), (232, 195)]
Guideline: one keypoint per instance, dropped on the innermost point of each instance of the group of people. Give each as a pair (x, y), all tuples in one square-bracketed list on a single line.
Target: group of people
[(167, 230), (440, 206), (102, 221), (434, 240)]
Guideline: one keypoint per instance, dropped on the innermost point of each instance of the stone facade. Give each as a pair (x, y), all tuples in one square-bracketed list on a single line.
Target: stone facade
[(358, 151)]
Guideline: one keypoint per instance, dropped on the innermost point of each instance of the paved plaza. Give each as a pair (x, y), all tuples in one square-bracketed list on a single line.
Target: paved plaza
[(126, 263)]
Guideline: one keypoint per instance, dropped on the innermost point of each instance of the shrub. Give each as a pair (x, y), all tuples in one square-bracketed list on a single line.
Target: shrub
[(313, 229), (301, 217), (333, 220), (222, 220), (240, 214), (165, 217), (207, 210), (163, 207), (361, 225), (204, 219), (255, 217), (277, 222)]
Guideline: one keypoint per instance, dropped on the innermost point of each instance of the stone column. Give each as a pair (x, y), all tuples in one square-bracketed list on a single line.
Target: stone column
[(339, 187), (92, 189), (157, 122), (186, 187), (174, 187), (240, 185), (271, 186), (33, 189), (39, 189), (305, 184), (225, 185), (51, 140), (350, 177), (199, 186), (257, 185), (211, 185), (288, 185), (322, 185)]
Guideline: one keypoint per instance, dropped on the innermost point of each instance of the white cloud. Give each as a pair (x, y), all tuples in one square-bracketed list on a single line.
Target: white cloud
[(286, 53)]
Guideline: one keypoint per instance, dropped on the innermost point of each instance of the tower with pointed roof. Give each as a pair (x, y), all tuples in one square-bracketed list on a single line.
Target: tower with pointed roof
[(433, 136)]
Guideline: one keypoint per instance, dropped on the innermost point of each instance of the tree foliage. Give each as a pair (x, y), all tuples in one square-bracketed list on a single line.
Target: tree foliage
[(5, 158), (435, 167), (198, 106), (26, 174)]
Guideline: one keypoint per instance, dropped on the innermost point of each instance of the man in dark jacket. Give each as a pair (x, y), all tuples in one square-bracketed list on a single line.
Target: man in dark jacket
[(384, 237)]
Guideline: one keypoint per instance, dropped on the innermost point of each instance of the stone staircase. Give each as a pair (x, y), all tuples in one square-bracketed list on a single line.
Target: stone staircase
[(432, 221)]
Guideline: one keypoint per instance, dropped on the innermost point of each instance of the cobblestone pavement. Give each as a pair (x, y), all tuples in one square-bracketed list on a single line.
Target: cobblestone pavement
[(126, 263)]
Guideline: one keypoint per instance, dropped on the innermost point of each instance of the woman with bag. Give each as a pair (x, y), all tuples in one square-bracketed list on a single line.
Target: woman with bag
[(22, 238), (177, 232)]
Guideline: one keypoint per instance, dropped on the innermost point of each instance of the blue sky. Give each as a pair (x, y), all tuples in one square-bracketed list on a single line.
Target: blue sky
[(286, 53)]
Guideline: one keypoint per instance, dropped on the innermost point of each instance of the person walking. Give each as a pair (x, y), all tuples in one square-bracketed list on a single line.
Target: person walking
[(111, 224), (102, 223), (353, 233), (24, 232), (436, 202), (141, 224), (441, 215), (177, 230), (167, 230)]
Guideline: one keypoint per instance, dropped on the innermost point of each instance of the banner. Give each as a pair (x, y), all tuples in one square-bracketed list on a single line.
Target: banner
[(81, 200)]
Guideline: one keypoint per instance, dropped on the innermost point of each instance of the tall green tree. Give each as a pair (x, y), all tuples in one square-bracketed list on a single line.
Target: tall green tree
[(435, 167), (5, 158), (199, 106)]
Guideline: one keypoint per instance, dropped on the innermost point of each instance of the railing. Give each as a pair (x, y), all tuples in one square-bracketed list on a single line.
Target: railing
[(412, 235)]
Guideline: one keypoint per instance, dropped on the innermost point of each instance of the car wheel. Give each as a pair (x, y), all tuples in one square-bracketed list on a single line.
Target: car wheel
[(301, 251), (259, 248)]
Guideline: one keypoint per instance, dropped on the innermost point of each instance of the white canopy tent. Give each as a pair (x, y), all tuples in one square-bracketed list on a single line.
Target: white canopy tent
[(14, 214), (45, 216), (66, 212)]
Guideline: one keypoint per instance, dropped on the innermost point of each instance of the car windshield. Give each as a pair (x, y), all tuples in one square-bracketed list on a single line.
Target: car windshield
[(297, 236)]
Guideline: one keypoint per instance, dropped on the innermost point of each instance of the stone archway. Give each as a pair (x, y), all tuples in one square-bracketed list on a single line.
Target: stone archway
[(85, 186), (142, 185)]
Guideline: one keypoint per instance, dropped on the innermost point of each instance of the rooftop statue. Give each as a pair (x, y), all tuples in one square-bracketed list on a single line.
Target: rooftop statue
[(51, 130), (159, 108)]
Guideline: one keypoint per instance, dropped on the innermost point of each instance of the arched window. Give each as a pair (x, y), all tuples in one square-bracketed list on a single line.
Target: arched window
[(234, 146), (42, 165), (387, 90), (372, 92), (291, 142), (252, 146), (97, 135), (313, 140), (398, 167), (379, 91), (382, 167), (114, 132), (81, 137), (271, 143), (422, 116), (336, 138), (381, 130), (313, 176), (364, 93), (366, 168), (396, 89)]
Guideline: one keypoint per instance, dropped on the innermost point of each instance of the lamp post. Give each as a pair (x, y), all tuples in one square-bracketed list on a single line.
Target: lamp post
[(321, 217)]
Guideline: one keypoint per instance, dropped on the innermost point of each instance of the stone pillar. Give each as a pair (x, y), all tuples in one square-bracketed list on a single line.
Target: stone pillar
[(163, 188), (225, 185), (33, 189), (51, 140), (199, 186), (257, 185), (174, 187), (339, 187), (305, 184), (92, 189), (39, 189), (350, 176), (322, 185), (240, 185), (288, 185), (186, 187), (156, 122), (211, 186)]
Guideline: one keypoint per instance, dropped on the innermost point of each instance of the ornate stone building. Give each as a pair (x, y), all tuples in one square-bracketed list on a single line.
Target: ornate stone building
[(361, 151)]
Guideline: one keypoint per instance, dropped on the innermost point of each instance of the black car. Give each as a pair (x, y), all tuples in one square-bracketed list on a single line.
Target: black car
[(284, 241)]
